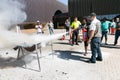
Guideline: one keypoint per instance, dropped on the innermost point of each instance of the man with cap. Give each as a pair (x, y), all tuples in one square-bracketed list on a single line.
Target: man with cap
[(95, 38), (39, 27)]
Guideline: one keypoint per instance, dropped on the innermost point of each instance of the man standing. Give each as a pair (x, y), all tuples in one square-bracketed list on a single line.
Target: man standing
[(51, 27), (67, 26), (105, 29), (117, 34), (113, 26), (75, 30), (39, 27), (95, 39)]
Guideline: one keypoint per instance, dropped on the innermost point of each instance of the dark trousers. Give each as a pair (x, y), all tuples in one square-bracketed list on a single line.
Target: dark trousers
[(75, 37), (51, 31), (104, 33), (95, 48), (67, 30), (117, 35)]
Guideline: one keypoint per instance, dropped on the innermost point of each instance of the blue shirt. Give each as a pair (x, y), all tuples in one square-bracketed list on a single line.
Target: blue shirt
[(105, 25)]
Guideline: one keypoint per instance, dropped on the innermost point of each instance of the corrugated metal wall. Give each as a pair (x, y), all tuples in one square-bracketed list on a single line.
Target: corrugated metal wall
[(101, 7)]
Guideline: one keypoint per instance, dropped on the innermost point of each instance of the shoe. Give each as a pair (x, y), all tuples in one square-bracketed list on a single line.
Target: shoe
[(115, 44), (99, 59), (72, 44), (77, 44), (80, 41), (89, 61), (106, 43), (85, 54)]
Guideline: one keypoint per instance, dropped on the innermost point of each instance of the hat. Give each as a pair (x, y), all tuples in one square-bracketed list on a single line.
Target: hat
[(38, 21), (92, 14)]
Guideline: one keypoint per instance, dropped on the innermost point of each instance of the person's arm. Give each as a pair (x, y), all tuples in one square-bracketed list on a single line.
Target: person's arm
[(36, 27), (110, 24), (65, 23), (80, 26), (72, 25), (115, 25), (79, 23), (92, 32), (53, 25)]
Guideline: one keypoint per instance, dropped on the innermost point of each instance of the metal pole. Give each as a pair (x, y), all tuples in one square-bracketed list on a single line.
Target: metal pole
[(23, 55), (18, 56), (40, 50), (22, 51), (36, 48), (52, 48)]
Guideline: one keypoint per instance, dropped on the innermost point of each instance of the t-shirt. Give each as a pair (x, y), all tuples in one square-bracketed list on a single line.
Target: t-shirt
[(39, 28), (105, 25), (67, 24), (96, 26), (75, 24), (113, 25), (50, 25)]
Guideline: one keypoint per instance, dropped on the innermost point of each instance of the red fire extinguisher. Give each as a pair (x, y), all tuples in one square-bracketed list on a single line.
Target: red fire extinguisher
[(63, 37)]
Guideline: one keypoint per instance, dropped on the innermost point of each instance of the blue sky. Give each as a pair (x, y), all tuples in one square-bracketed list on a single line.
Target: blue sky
[(64, 1)]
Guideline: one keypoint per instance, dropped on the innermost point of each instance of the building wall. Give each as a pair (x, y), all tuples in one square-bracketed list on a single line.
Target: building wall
[(43, 10), (101, 7)]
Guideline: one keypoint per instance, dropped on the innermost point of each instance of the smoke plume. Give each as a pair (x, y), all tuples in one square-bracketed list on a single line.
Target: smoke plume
[(11, 13)]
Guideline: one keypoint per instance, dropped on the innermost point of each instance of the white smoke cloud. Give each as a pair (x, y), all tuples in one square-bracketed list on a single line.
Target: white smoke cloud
[(13, 39), (11, 12)]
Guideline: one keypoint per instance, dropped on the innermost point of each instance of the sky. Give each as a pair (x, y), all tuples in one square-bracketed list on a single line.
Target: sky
[(64, 1)]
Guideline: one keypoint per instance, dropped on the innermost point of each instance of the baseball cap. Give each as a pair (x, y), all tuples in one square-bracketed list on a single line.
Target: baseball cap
[(92, 14), (38, 21)]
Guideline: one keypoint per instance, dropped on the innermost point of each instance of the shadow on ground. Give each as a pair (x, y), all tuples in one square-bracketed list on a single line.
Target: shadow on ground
[(110, 46), (64, 43), (10, 63), (72, 55)]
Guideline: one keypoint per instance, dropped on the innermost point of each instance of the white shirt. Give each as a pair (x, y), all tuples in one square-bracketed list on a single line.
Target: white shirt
[(39, 28), (93, 24), (50, 25), (96, 26), (113, 25), (67, 24)]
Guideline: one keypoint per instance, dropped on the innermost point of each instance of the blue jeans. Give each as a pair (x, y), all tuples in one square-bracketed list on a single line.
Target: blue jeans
[(104, 33), (117, 35), (75, 37), (95, 47), (51, 31)]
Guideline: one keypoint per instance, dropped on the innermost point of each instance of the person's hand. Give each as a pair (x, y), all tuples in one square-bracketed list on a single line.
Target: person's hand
[(89, 41), (72, 30)]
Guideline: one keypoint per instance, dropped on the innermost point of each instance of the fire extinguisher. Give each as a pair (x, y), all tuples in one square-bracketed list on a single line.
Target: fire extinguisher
[(63, 37)]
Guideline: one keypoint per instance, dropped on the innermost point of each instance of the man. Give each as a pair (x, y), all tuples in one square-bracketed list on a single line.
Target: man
[(95, 38), (39, 27), (67, 25), (51, 27), (113, 26), (105, 29), (75, 30), (117, 34)]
